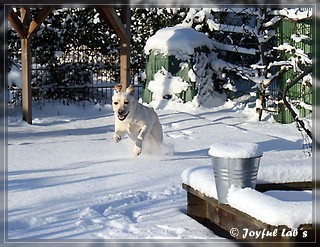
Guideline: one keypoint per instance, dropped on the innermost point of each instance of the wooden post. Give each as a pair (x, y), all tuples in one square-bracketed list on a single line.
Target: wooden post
[(26, 80), (25, 29), (125, 49), (26, 68), (122, 29)]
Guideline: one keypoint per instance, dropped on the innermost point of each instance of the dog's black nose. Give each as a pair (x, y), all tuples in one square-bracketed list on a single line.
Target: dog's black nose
[(120, 112)]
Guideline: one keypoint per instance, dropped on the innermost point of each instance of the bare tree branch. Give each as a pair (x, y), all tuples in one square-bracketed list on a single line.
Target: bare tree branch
[(287, 104)]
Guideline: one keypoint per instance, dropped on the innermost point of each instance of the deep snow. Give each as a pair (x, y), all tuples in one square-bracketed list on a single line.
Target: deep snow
[(67, 179)]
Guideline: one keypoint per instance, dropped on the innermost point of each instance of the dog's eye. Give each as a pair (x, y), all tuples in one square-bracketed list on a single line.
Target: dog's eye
[(115, 103), (126, 102)]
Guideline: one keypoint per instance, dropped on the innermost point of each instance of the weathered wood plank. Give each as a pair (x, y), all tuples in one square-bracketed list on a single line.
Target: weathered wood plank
[(285, 186), (196, 206)]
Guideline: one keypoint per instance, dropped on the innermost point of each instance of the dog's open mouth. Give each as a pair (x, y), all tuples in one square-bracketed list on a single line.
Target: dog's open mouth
[(122, 117)]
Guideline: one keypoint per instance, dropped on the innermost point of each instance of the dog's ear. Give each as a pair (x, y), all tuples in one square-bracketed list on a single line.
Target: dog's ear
[(117, 88), (130, 90)]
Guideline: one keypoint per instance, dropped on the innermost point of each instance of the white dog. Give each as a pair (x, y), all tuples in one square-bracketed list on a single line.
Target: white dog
[(139, 122)]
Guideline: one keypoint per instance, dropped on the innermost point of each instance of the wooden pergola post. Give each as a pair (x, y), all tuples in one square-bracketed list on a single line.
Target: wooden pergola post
[(122, 28), (125, 49), (26, 80), (26, 69), (25, 29), (20, 26)]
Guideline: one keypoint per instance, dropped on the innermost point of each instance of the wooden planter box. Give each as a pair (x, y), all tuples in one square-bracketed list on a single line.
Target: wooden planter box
[(224, 219)]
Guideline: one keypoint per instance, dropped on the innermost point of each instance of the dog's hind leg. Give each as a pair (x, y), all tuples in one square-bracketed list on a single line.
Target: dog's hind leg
[(144, 131), (137, 149), (157, 133)]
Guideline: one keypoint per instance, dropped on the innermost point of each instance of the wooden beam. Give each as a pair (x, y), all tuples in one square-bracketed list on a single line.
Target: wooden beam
[(308, 185), (38, 20), (110, 15), (17, 25)]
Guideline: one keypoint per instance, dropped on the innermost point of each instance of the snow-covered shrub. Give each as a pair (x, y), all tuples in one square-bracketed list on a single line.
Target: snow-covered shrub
[(165, 85), (191, 52)]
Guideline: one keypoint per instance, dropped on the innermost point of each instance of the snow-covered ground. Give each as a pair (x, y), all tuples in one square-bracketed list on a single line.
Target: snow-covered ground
[(67, 179)]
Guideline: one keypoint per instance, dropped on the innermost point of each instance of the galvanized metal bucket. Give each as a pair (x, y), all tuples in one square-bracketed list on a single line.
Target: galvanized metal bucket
[(240, 172)]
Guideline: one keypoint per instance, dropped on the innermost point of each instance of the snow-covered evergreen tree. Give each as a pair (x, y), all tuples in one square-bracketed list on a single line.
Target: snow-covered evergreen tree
[(248, 45)]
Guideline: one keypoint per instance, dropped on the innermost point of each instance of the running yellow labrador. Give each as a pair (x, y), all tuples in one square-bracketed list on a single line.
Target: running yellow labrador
[(139, 122)]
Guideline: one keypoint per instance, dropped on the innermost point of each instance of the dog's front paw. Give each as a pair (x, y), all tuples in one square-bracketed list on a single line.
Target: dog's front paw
[(137, 151), (116, 138)]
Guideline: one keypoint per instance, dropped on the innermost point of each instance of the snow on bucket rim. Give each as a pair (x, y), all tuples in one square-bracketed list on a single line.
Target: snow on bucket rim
[(239, 150)]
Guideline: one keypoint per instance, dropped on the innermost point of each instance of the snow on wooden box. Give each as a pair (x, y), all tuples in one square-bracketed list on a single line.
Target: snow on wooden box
[(291, 212), (290, 208)]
